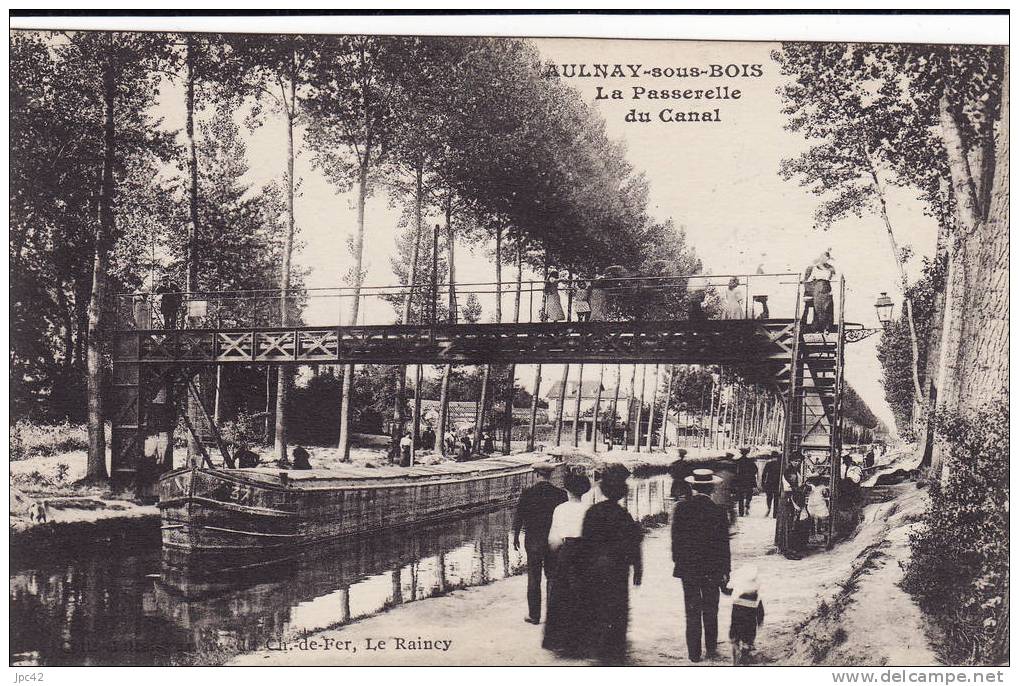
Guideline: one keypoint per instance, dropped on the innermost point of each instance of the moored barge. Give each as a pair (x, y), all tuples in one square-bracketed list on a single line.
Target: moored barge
[(264, 514)]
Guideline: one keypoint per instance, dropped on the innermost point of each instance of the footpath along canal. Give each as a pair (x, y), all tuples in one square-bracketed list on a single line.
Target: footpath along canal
[(842, 607)]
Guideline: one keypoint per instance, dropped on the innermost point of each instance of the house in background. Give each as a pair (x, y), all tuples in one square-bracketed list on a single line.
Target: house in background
[(460, 414), (588, 398)]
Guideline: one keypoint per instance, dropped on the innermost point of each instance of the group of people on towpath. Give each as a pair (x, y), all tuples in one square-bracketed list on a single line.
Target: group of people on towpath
[(587, 551)]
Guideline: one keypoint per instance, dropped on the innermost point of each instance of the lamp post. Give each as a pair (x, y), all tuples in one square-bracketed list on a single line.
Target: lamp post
[(884, 307)]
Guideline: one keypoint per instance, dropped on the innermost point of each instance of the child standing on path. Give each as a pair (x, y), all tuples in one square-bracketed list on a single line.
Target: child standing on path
[(747, 615)]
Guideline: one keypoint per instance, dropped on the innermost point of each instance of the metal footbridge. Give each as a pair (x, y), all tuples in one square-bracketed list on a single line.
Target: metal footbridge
[(158, 346)]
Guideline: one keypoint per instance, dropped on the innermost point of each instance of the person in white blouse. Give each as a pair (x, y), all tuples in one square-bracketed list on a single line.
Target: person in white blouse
[(566, 602), (568, 518), (734, 302)]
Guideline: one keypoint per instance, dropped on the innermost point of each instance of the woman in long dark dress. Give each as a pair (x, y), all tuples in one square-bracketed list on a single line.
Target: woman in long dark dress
[(613, 541), (566, 617)]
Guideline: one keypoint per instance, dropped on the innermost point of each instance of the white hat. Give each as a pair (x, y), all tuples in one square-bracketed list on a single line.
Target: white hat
[(703, 477)]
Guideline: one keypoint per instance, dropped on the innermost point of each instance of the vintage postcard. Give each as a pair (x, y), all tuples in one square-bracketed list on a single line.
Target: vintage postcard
[(390, 340)]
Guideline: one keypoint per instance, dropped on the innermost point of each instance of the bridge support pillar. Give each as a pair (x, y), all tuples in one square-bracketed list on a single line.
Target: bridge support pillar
[(127, 413)]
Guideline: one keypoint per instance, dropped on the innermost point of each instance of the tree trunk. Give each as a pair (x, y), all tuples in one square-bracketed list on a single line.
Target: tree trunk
[(417, 414), (651, 412), (576, 405), (926, 430), (479, 410), (348, 370), (742, 421), (400, 400), (283, 374), (191, 279), (668, 405), (712, 428), (217, 409), (498, 274), (723, 414), (534, 407), (702, 435), (559, 407), (443, 418), (629, 406), (191, 276), (975, 291), (615, 407), (95, 470), (917, 392), (479, 422), (511, 374), (451, 315), (451, 258), (269, 424), (984, 350), (640, 408), (597, 409)]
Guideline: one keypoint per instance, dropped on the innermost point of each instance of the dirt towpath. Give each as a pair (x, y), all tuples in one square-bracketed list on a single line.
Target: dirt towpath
[(484, 625)]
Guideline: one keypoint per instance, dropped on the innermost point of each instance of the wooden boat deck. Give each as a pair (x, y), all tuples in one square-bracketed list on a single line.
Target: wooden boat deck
[(390, 475)]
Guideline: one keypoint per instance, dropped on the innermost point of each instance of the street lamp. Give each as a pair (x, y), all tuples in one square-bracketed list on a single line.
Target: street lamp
[(884, 307)]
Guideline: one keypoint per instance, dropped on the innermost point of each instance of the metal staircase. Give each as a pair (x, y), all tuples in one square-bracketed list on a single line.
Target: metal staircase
[(814, 426)]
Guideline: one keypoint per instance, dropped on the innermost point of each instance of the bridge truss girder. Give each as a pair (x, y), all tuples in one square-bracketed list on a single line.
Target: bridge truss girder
[(149, 362)]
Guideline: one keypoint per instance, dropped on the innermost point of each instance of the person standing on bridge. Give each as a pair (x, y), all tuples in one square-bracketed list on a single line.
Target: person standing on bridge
[(817, 289), (734, 302), (169, 301), (695, 306), (552, 308), (700, 553), (534, 517), (598, 299), (582, 300)]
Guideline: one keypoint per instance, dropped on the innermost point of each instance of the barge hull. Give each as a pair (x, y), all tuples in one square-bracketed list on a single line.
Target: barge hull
[(253, 514)]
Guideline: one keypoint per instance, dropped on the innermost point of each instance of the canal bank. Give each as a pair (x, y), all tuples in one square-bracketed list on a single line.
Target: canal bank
[(48, 509), (842, 604), (114, 603)]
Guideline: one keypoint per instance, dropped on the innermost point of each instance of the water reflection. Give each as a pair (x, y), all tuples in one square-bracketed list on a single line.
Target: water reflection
[(117, 605)]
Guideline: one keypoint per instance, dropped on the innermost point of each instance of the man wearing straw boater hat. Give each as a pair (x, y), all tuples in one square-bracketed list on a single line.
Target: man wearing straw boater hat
[(700, 552), (534, 517)]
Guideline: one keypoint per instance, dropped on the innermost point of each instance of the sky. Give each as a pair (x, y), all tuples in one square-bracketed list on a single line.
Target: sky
[(718, 180)]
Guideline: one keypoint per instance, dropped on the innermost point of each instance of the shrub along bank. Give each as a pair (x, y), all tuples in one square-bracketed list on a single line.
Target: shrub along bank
[(959, 565)]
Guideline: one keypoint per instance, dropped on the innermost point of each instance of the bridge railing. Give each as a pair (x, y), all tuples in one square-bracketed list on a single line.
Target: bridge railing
[(669, 297)]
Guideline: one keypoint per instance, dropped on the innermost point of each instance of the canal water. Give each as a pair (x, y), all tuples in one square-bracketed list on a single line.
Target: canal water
[(117, 604)]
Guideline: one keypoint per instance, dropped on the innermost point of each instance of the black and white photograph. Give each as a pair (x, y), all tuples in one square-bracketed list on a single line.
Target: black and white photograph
[(509, 340)]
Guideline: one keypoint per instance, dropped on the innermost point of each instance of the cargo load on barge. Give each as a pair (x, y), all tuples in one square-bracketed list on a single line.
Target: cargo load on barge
[(269, 513)]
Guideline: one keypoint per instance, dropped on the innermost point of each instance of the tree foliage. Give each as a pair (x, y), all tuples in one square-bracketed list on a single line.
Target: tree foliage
[(894, 351), (57, 151), (959, 567)]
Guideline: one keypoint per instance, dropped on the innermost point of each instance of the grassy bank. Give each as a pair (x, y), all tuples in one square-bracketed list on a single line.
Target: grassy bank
[(28, 439)]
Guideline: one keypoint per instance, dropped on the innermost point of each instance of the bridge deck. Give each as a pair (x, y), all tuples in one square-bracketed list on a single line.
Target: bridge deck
[(766, 343)]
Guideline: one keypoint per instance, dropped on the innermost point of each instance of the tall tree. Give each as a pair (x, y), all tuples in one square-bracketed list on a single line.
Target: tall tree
[(836, 103), (114, 73), (276, 70), (354, 99)]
